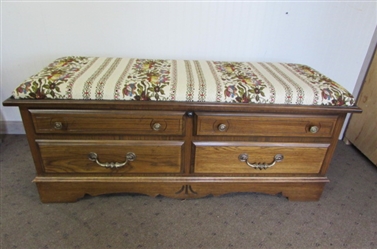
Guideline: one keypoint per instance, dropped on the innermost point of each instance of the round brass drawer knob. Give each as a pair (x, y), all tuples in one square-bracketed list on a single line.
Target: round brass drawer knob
[(222, 127), (314, 129), (58, 125), (156, 126)]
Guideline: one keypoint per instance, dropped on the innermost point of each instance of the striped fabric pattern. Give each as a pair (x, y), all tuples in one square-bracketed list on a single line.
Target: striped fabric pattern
[(99, 78)]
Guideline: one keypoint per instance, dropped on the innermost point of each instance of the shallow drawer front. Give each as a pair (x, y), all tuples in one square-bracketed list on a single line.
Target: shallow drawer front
[(108, 122), (264, 125), (227, 157), (140, 156)]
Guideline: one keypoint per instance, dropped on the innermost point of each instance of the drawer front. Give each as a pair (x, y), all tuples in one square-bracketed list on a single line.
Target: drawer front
[(226, 157), (108, 122), (264, 125), (60, 156)]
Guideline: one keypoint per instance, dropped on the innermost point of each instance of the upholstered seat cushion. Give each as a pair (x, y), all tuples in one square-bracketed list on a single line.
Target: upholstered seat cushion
[(183, 80)]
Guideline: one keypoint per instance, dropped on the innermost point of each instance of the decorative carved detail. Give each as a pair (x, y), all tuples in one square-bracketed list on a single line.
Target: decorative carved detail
[(186, 189)]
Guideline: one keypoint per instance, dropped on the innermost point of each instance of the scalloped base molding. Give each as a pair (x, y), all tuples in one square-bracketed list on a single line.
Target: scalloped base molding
[(71, 189), (11, 127)]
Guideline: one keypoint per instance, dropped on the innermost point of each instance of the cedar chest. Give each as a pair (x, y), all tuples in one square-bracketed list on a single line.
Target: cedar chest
[(180, 128)]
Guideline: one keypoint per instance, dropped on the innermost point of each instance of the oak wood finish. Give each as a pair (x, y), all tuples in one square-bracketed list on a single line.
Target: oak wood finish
[(116, 122), (71, 156), (186, 155), (223, 158), (257, 125)]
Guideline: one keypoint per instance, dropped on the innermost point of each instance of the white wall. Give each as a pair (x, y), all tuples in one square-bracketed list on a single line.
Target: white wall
[(332, 37)]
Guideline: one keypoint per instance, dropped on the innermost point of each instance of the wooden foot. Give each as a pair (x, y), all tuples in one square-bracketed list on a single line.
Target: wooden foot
[(53, 193)]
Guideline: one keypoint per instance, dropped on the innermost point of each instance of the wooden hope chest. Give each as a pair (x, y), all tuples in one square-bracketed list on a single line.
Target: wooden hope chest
[(181, 129)]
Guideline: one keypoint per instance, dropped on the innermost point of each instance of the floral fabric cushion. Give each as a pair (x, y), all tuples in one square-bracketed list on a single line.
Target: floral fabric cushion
[(183, 80)]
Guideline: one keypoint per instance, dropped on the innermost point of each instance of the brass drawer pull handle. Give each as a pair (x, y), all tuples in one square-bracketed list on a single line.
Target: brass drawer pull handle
[(156, 126), (130, 156), (58, 125), (244, 158), (222, 127), (314, 129)]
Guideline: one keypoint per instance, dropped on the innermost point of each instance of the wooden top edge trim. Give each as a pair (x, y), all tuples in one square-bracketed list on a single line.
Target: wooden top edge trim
[(177, 105), (181, 179)]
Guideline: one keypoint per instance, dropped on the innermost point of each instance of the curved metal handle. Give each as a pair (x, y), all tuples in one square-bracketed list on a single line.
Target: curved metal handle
[(313, 129), (130, 156), (58, 125), (222, 127), (156, 126), (244, 158)]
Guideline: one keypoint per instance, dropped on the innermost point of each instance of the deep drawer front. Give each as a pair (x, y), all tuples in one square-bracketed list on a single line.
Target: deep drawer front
[(264, 125), (225, 157), (108, 122), (73, 156)]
